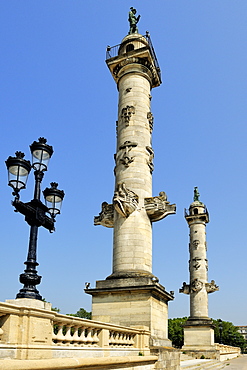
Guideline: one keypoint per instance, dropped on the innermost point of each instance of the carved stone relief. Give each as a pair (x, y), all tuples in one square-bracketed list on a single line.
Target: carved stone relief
[(106, 215), (126, 114), (206, 264), (158, 207), (196, 263), (150, 159), (150, 118), (195, 243), (185, 288), (125, 157), (211, 287), (125, 201), (196, 286)]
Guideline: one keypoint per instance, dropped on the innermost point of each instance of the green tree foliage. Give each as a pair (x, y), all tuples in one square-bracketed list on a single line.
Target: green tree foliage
[(82, 313), (229, 334), (176, 331)]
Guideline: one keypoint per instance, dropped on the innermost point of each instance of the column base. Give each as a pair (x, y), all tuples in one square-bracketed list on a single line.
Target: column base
[(199, 338), (139, 302)]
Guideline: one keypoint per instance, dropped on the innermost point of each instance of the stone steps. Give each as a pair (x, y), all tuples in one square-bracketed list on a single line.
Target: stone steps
[(201, 364)]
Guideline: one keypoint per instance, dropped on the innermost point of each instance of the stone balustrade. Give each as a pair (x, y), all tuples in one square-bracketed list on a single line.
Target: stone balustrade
[(227, 352), (29, 329), (73, 331)]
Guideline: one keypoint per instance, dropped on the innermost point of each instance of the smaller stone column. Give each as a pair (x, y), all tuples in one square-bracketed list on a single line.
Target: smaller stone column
[(198, 330)]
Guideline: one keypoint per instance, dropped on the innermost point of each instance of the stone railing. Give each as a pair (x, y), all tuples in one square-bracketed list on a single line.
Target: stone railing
[(30, 330), (73, 331), (227, 352)]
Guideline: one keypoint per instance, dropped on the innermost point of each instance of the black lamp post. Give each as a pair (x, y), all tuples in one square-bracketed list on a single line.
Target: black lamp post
[(35, 211)]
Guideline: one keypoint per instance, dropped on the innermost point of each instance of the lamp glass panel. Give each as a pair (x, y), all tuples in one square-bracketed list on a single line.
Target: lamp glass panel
[(17, 177), (54, 203), (40, 159)]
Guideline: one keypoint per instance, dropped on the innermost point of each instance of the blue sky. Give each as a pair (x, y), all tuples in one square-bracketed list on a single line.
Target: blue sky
[(55, 83)]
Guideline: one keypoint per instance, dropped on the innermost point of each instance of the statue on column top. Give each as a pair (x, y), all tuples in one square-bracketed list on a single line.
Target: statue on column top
[(196, 194), (133, 20)]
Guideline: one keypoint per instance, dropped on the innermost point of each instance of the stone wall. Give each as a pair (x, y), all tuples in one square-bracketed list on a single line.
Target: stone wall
[(168, 358)]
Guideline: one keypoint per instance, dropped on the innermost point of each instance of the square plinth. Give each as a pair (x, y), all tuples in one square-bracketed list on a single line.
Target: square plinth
[(133, 302)]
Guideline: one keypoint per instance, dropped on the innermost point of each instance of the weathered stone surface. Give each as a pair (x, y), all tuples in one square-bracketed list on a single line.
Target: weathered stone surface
[(198, 330)]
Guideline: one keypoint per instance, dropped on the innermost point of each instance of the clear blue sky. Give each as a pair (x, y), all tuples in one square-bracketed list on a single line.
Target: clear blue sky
[(55, 83)]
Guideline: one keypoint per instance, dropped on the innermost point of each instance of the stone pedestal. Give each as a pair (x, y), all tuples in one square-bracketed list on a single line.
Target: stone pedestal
[(198, 334), (28, 328), (199, 338), (139, 302)]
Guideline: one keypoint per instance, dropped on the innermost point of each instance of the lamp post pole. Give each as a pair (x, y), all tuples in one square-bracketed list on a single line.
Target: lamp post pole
[(35, 211), (30, 277)]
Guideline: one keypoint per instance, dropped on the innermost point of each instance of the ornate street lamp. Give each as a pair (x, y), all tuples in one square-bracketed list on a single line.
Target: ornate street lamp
[(35, 211)]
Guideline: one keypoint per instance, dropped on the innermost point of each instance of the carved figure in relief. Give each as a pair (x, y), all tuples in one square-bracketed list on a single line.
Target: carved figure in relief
[(211, 287), (125, 201), (195, 243), (206, 264), (158, 207), (150, 118), (126, 159), (106, 216), (133, 20), (150, 159), (127, 113), (196, 264), (196, 286)]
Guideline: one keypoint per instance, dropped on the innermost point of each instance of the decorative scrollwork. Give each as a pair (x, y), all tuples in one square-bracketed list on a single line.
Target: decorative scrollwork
[(125, 201), (150, 118), (158, 207), (126, 114), (196, 263), (211, 287), (106, 216), (125, 158), (196, 286), (150, 159)]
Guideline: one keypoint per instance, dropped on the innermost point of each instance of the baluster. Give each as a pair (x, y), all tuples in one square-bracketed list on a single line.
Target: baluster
[(60, 336), (67, 336), (117, 338), (113, 338), (75, 337), (82, 337), (89, 338), (95, 337), (122, 339), (110, 338), (132, 340), (126, 339)]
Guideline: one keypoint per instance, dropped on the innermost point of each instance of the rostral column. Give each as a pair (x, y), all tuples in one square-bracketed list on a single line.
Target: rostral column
[(132, 295), (198, 329)]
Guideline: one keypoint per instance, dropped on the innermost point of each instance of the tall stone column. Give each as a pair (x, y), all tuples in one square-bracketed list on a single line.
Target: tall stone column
[(198, 330), (131, 295)]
